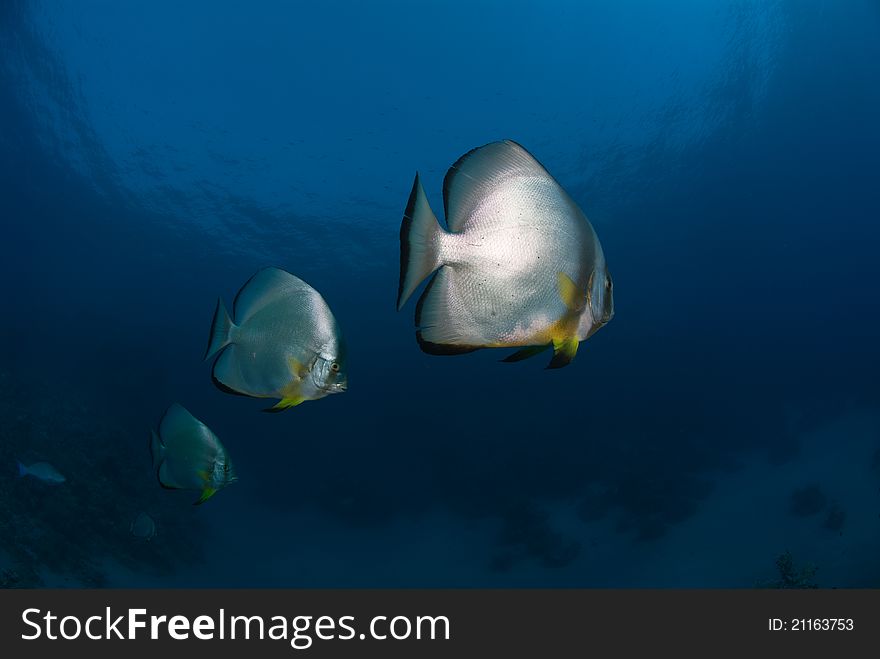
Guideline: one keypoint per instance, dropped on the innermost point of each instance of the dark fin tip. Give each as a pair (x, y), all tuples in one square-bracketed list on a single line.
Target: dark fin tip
[(559, 360), (274, 410), (428, 346), (443, 348), (525, 353), (222, 387)]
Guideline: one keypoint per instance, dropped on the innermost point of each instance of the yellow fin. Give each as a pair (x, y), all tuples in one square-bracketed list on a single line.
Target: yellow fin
[(207, 493), (572, 296), (564, 351), (284, 404)]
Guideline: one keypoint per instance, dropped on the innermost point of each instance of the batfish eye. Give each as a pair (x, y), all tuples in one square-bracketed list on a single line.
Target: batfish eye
[(334, 367)]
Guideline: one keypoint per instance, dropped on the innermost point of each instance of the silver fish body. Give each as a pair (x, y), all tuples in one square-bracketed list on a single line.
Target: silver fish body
[(41, 471), (281, 342), (187, 455), (520, 264)]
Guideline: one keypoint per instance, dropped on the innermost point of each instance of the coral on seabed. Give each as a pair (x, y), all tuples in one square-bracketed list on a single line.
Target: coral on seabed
[(68, 533), (791, 576)]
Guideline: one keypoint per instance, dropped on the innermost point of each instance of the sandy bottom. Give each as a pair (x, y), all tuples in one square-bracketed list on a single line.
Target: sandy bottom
[(732, 541)]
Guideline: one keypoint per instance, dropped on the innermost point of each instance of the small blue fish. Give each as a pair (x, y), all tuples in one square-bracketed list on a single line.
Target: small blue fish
[(42, 471)]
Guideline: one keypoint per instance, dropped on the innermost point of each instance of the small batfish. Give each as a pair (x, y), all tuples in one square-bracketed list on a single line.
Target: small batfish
[(281, 342), (143, 526), (519, 264), (41, 471), (188, 456)]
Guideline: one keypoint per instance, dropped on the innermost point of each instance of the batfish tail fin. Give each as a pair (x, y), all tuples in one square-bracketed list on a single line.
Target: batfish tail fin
[(157, 449), (419, 243), (221, 330)]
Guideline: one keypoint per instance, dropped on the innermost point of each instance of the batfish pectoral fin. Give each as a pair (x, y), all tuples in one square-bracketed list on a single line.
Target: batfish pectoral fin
[(572, 296), (564, 351), (284, 404), (207, 493), (297, 368), (525, 353)]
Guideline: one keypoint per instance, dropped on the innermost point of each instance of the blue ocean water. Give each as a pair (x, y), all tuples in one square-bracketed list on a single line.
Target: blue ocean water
[(153, 156)]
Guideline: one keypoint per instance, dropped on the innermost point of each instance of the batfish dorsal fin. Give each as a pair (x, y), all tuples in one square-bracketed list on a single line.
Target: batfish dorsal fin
[(266, 286), (177, 418), (478, 171)]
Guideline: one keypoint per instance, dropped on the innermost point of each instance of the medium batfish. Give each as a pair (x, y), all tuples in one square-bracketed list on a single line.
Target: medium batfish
[(282, 342), (188, 456), (520, 264)]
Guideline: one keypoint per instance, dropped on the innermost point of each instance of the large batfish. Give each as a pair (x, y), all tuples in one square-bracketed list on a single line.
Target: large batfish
[(520, 264)]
